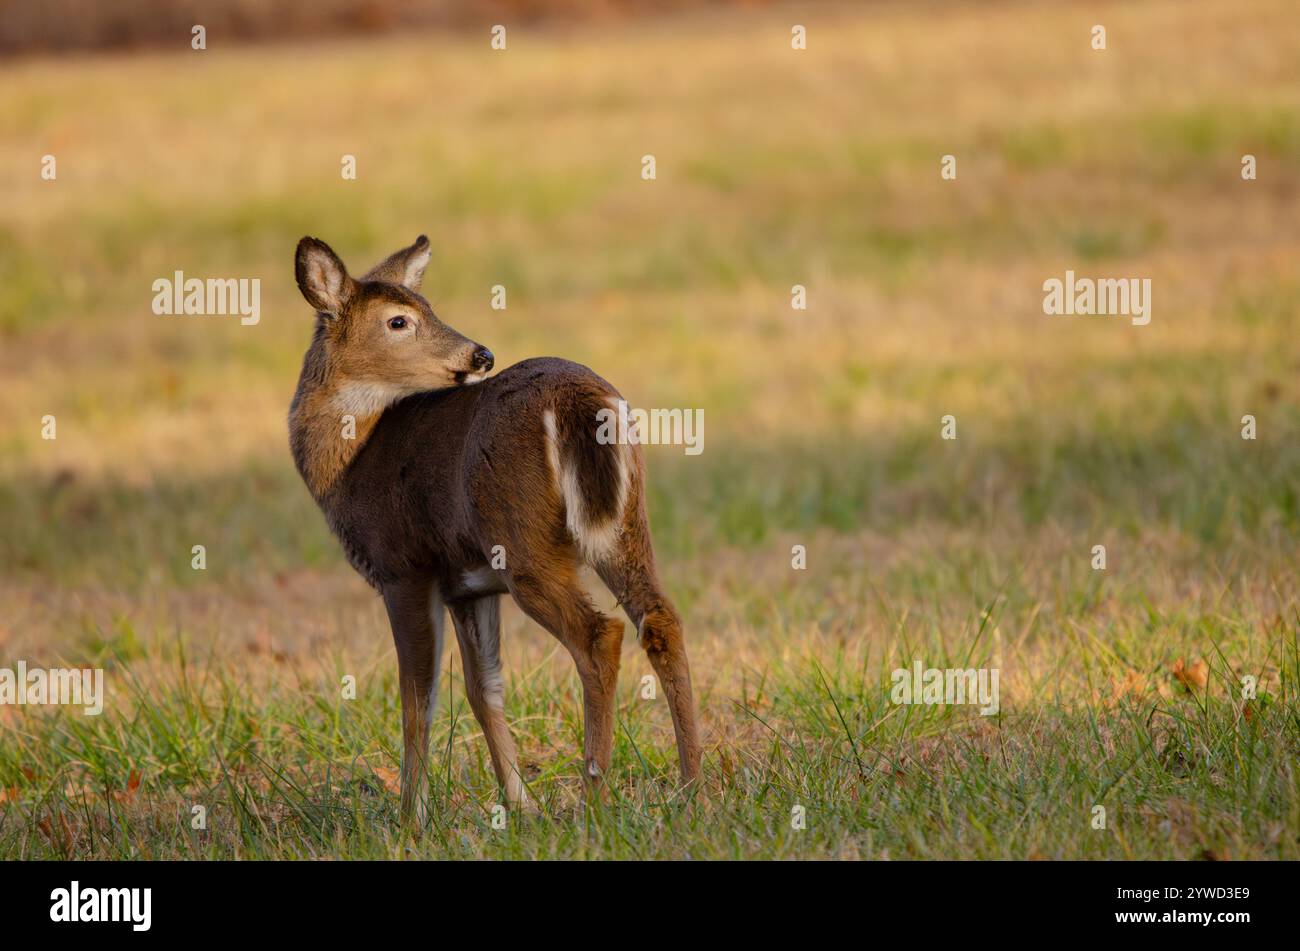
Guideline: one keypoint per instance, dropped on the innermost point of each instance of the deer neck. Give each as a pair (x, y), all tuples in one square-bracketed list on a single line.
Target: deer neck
[(331, 419)]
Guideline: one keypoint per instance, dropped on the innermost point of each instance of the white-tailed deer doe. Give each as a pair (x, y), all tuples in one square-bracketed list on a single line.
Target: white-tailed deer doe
[(421, 475)]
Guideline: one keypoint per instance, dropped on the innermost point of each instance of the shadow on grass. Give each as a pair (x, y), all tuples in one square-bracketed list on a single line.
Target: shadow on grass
[(1176, 472)]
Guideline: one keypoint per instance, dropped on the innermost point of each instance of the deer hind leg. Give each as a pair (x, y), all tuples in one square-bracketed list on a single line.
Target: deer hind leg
[(415, 611), (557, 602), (629, 572), (478, 629)]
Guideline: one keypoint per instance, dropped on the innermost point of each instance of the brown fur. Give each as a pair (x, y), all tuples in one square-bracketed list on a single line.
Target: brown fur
[(439, 474)]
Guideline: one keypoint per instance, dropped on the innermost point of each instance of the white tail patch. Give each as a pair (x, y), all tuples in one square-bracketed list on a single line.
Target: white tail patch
[(595, 541)]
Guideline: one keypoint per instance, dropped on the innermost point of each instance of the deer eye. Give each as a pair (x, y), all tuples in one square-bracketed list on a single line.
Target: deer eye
[(396, 323)]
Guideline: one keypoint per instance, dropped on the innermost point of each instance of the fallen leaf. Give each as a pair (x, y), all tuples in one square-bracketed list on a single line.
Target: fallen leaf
[(1133, 683), (132, 787), (60, 837), (389, 777), (1192, 677)]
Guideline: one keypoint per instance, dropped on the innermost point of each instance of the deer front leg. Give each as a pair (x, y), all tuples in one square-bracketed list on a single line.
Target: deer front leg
[(478, 629), (415, 611)]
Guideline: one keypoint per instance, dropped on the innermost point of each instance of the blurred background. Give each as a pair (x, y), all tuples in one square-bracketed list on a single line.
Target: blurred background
[(775, 167), (86, 24)]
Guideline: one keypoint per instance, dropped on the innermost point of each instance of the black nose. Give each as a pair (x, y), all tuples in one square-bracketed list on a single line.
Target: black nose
[(482, 359)]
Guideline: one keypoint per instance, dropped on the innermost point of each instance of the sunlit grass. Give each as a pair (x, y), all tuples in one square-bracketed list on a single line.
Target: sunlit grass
[(1092, 714)]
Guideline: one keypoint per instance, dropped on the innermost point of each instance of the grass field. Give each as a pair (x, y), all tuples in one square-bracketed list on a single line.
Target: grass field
[(822, 429)]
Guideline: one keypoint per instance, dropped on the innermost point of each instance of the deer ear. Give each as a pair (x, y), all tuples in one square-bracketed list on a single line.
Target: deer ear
[(322, 278), (406, 267)]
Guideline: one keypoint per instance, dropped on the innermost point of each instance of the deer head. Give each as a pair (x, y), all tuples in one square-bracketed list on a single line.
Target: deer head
[(381, 339)]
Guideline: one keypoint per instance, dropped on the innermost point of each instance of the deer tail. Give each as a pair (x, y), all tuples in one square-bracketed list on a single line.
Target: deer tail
[(594, 467)]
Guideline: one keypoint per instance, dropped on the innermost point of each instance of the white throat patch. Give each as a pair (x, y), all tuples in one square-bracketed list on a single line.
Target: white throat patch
[(367, 399)]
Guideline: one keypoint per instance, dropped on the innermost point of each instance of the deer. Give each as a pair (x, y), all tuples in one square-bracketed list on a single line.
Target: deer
[(448, 487)]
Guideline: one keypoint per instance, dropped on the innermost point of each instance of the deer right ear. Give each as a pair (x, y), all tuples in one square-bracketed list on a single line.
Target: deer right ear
[(322, 278)]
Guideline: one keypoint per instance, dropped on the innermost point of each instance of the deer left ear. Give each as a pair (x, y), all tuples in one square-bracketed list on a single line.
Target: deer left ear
[(321, 276), (406, 267)]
